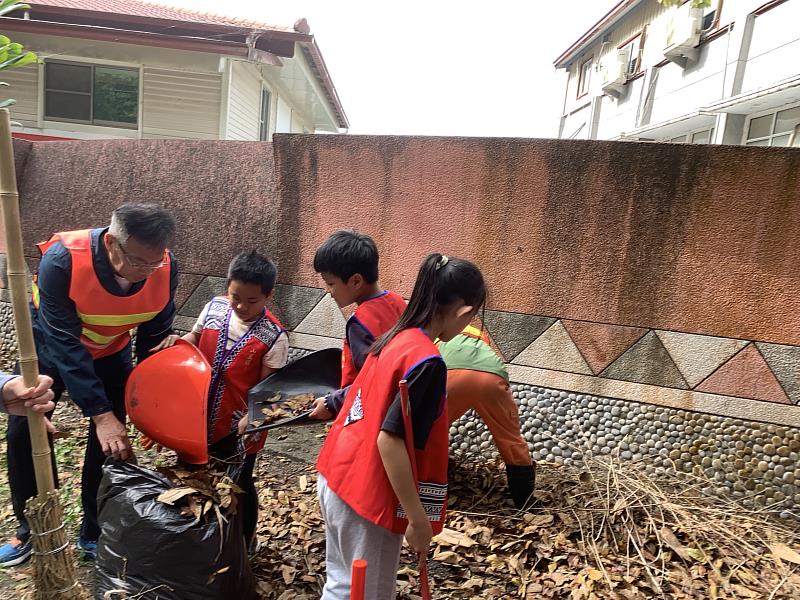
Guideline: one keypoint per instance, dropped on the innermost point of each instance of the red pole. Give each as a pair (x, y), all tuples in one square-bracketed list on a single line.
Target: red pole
[(359, 580)]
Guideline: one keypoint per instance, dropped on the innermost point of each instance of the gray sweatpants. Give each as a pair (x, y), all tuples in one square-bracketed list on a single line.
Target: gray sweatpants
[(349, 537)]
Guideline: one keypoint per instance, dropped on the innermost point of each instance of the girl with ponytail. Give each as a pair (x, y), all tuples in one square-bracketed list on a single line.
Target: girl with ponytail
[(367, 490)]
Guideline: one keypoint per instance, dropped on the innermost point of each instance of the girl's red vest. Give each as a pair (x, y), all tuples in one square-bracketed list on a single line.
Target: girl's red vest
[(378, 315), (106, 319), (236, 370), (350, 461)]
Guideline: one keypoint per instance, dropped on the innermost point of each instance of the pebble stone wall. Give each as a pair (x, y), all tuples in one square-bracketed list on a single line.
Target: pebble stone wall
[(755, 462)]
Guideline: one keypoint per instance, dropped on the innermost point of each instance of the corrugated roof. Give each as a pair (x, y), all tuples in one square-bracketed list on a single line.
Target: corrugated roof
[(152, 10)]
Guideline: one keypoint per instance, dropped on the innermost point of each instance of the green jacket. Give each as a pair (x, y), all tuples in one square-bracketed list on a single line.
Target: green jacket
[(469, 351)]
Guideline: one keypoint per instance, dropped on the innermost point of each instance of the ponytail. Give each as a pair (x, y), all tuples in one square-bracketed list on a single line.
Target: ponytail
[(440, 282)]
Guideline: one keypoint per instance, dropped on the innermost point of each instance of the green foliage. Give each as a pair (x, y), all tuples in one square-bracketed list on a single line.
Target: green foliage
[(6, 6), (12, 54), (695, 3)]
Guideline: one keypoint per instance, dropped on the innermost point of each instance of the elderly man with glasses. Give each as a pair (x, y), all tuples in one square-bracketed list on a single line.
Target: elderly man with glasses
[(93, 287)]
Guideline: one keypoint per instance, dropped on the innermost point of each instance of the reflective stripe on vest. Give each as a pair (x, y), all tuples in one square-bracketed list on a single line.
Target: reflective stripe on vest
[(107, 320)]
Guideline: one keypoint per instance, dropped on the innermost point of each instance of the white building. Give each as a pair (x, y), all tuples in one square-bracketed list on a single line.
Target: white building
[(130, 69), (727, 74)]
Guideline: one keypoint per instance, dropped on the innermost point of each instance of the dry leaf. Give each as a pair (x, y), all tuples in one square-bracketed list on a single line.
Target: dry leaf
[(595, 575), (451, 537), (783, 552), (288, 573), (669, 537), (172, 496)]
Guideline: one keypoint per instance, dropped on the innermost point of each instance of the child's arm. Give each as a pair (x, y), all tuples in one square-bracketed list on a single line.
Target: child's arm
[(276, 358), (192, 337), (395, 459)]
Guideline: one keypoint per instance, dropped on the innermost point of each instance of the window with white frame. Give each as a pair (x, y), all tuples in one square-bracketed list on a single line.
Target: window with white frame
[(92, 94), (584, 75), (263, 117), (774, 128), (702, 136), (634, 46)]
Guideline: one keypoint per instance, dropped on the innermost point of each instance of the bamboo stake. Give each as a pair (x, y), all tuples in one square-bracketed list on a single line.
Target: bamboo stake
[(54, 568), (17, 280)]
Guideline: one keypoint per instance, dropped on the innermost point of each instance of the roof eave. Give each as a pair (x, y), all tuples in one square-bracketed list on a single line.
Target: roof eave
[(321, 70), (617, 12), (141, 38)]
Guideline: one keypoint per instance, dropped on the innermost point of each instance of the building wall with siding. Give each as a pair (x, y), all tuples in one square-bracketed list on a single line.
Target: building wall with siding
[(179, 104), (24, 88), (244, 102)]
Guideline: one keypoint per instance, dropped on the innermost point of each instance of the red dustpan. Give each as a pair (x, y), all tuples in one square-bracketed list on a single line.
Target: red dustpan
[(167, 397)]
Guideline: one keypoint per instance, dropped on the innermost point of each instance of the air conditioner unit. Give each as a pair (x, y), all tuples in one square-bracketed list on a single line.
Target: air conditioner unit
[(614, 77), (683, 34)]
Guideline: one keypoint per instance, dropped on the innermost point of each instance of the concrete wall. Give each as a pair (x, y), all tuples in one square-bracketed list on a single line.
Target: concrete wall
[(653, 279)]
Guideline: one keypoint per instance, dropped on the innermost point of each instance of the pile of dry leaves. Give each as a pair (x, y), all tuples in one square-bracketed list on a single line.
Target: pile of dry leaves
[(200, 490), (276, 409), (605, 530)]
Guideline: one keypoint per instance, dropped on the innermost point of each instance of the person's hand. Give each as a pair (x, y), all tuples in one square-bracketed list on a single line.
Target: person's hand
[(167, 342), (148, 443), (17, 397), (319, 412), (242, 426), (418, 536), (112, 436)]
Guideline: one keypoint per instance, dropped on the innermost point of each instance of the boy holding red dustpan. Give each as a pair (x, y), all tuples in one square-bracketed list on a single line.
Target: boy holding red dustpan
[(244, 343)]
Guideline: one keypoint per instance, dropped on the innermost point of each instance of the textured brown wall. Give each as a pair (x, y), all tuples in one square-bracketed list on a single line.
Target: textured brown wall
[(222, 193), (689, 238)]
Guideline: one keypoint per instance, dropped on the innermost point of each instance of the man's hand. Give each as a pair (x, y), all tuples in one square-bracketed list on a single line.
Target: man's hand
[(112, 436), (17, 397), (320, 413), (166, 342)]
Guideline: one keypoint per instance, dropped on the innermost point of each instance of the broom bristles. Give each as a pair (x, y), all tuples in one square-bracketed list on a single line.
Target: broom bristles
[(54, 564)]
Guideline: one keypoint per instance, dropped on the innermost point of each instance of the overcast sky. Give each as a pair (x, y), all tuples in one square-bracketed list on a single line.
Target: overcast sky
[(438, 67)]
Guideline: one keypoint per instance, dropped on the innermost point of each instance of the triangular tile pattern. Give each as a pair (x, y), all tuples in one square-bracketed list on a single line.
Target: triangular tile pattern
[(554, 350), (202, 294), (187, 284), (292, 303), (784, 361), (600, 343), (477, 323), (697, 356), (746, 375), (648, 362), (513, 332), (324, 319)]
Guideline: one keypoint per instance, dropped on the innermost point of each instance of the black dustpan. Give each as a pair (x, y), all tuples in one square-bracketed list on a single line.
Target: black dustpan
[(318, 373)]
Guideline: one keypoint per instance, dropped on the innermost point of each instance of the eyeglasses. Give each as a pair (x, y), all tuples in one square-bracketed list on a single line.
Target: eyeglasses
[(135, 262)]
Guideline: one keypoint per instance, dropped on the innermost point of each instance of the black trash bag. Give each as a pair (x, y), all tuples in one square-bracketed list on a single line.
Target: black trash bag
[(148, 549)]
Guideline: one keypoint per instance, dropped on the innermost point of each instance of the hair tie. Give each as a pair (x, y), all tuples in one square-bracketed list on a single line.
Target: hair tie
[(442, 262)]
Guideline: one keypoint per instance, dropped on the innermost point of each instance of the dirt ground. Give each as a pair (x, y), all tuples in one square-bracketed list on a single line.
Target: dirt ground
[(606, 530), (287, 453)]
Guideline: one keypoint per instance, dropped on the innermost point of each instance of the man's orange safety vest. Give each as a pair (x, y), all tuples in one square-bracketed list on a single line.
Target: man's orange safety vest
[(106, 319)]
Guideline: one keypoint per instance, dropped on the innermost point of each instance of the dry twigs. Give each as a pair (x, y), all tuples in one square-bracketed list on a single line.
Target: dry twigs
[(608, 529)]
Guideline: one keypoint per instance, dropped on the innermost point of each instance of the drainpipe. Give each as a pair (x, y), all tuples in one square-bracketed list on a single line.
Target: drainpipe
[(251, 40), (793, 137), (715, 22)]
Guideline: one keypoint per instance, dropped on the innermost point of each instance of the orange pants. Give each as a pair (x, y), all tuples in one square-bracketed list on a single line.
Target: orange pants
[(491, 398)]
